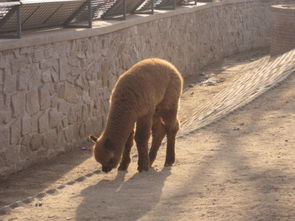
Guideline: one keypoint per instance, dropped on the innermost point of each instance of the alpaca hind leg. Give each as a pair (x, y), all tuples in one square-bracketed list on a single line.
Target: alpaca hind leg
[(126, 155), (158, 134), (142, 135), (172, 127)]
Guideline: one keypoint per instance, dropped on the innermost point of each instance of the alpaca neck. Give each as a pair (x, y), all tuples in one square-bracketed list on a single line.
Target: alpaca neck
[(119, 126)]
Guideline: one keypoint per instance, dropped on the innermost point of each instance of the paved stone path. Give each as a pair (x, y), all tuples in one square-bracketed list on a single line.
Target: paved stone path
[(258, 77)]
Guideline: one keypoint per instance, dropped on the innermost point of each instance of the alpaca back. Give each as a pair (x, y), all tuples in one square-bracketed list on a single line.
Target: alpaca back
[(145, 86)]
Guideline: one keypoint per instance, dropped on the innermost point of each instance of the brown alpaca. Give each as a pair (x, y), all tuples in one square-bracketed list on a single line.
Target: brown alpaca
[(147, 96)]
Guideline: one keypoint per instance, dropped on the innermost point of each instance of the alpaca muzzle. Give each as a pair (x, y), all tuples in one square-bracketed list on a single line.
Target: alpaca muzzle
[(106, 169)]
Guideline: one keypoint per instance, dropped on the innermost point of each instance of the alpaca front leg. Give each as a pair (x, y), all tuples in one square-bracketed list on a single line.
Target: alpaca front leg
[(126, 155), (172, 127), (142, 135), (158, 134)]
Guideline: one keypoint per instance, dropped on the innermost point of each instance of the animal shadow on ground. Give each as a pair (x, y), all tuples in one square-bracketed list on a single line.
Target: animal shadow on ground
[(121, 199)]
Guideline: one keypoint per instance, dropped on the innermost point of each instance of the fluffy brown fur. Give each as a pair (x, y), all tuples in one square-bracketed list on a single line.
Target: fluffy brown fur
[(146, 95)]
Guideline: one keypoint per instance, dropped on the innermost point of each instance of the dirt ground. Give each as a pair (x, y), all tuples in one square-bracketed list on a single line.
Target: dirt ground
[(241, 167)]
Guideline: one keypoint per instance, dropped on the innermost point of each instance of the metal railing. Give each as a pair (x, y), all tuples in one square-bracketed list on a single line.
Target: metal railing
[(16, 16)]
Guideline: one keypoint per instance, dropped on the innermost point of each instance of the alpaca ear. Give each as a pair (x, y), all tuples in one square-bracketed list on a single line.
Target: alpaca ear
[(109, 145), (93, 138)]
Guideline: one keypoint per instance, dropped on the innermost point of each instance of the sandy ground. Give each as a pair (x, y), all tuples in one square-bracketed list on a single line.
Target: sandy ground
[(241, 167)]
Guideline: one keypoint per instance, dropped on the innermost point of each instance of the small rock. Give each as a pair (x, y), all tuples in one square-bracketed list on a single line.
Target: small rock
[(40, 195), (80, 179), (70, 182), (51, 191), (28, 200), (61, 187), (38, 204)]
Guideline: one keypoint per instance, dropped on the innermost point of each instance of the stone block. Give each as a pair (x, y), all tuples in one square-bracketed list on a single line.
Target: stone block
[(46, 76), (82, 131), (64, 123), (55, 118), (2, 102), (69, 132), (76, 71), (26, 140), (64, 68), (2, 76), (15, 132), (35, 79), (9, 83), (44, 64), (23, 81), (80, 82), (43, 122), (26, 125), (38, 54), (78, 110), (76, 134), (63, 106), (91, 71), (69, 93), (74, 62), (18, 65), (85, 112), (18, 104), (26, 50), (35, 123), (36, 142), (4, 165), (55, 75), (54, 102), (3, 61), (72, 116), (45, 98), (49, 139), (93, 89), (5, 117), (4, 136), (89, 126), (25, 156), (32, 102), (52, 66), (61, 140)]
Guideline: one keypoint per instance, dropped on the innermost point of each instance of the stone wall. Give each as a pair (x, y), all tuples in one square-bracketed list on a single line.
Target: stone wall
[(283, 28), (54, 90)]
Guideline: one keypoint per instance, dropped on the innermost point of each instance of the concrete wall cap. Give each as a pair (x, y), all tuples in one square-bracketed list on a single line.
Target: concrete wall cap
[(31, 38)]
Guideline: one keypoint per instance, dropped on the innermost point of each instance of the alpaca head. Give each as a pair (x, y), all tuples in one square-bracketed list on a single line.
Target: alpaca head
[(104, 153)]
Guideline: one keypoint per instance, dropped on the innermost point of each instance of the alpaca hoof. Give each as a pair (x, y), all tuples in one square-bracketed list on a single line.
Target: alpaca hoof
[(168, 164), (140, 169)]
